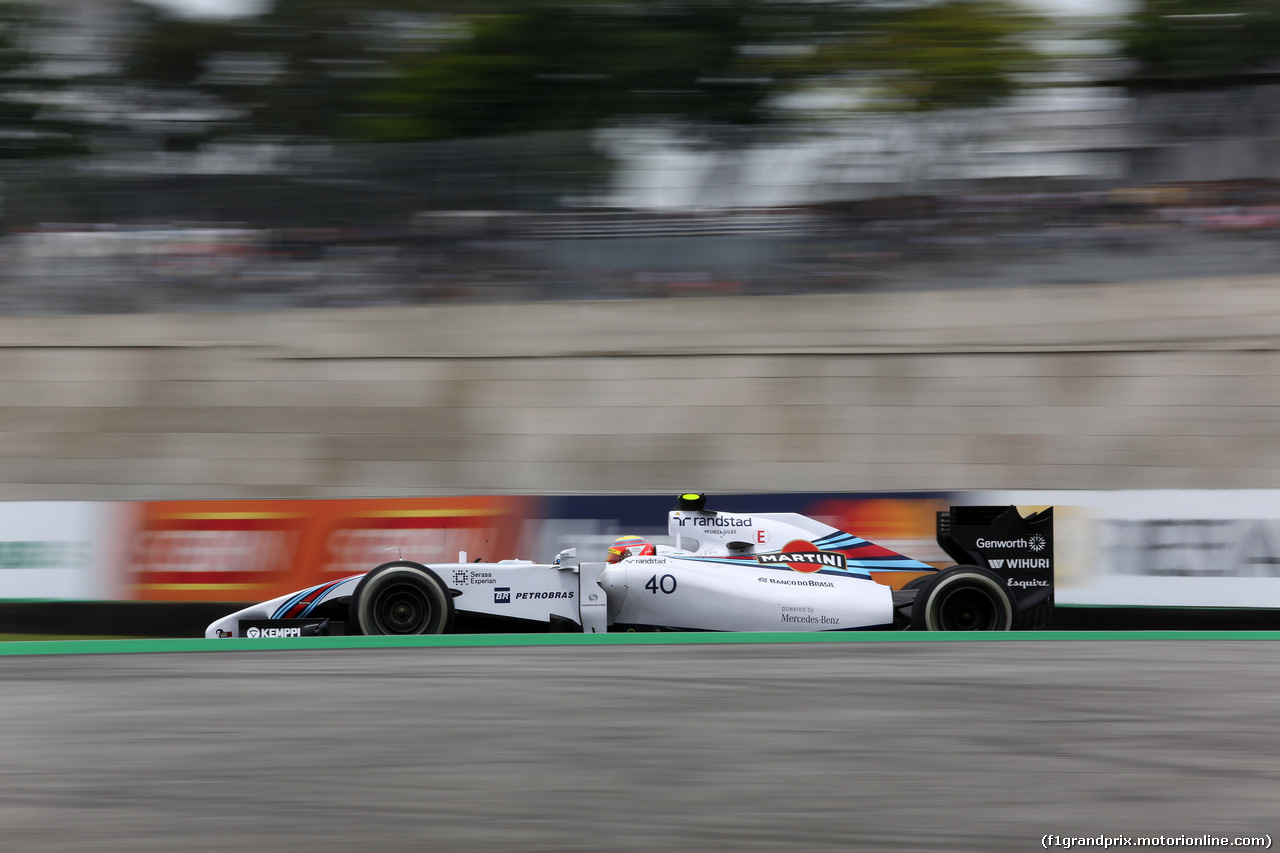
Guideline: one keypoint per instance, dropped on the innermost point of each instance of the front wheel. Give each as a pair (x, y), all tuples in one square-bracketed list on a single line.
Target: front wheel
[(963, 598), (400, 598)]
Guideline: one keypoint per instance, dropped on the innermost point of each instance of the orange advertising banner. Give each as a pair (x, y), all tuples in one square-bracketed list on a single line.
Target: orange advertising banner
[(246, 550)]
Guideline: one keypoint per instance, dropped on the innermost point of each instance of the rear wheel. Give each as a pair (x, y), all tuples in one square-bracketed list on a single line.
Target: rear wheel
[(400, 598), (963, 598)]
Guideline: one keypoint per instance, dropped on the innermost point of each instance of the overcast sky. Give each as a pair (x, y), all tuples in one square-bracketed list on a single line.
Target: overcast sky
[(211, 8)]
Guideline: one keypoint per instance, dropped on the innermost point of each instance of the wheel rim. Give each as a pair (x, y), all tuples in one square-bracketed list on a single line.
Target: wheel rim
[(402, 609), (969, 609)]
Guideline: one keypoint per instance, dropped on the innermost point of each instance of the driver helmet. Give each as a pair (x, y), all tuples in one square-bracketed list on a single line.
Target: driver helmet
[(630, 546)]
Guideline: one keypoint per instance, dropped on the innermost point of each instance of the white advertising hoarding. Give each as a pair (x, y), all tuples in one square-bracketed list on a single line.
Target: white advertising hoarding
[(55, 550), (1161, 548)]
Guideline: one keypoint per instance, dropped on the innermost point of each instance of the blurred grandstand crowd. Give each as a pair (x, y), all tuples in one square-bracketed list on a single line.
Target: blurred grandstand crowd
[(322, 156), (886, 244)]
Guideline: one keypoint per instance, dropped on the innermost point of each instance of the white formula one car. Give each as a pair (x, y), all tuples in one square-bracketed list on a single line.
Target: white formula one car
[(725, 572)]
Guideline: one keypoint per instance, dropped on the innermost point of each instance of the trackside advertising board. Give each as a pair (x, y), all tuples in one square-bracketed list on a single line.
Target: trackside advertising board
[(51, 550), (1137, 548), (1162, 548), (251, 550)]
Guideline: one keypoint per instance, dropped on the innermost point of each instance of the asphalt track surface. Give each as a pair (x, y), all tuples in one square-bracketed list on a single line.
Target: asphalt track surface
[(862, 746)]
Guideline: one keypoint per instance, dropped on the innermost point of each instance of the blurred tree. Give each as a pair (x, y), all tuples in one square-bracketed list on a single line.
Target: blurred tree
[(546, 64), (301, 69), (1181, 43), (404, 70), (957, 54), (554, 66), (171, 51), (307, 67), (28, 126)]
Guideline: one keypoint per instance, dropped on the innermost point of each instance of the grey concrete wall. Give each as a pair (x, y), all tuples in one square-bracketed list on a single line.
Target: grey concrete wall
[(1173, 384)]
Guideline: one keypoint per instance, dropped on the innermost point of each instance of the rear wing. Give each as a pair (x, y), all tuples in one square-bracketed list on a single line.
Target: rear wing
[(1019, 549)]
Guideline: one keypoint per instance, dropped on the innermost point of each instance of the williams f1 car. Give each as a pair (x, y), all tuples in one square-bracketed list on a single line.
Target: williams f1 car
[(724, 572)]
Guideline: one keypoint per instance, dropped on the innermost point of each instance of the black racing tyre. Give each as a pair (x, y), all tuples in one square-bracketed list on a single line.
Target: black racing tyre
[(400, 598), (963, 598)]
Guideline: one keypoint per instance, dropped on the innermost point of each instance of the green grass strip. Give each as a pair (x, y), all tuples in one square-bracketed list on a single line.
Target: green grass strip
[(90, 647)]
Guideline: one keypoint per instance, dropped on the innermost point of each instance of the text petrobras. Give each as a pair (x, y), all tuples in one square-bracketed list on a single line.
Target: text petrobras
[(504, 595)]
